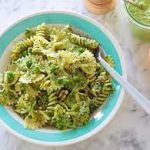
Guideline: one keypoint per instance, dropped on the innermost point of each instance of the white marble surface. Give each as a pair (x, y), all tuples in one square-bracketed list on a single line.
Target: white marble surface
[(130, 128)]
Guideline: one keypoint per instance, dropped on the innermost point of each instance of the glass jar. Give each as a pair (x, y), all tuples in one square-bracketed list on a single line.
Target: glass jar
[(100, 6), (141, 31)]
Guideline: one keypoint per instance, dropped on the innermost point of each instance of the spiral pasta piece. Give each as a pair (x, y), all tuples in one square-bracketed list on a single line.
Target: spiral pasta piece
[(52, 99), (103, 94), (42, 31), (89, 43), (21, 46), (62, 94), (109, 60), (91, 78)]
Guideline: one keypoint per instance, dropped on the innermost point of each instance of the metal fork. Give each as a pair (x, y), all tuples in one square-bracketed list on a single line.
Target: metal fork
[(130, 89)]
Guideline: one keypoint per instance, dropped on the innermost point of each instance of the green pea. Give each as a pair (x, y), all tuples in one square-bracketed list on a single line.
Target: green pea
[(54, 68), (10, 76), (81, 50), (63, 80), (76, 79), (29, 63), (25, 53), (36, 69)]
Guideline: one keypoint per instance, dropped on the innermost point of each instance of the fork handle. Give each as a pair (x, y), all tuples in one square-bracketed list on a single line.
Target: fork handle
[(130, 89)]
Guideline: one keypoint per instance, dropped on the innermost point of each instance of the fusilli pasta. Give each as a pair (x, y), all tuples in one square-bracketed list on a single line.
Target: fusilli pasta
[(53, 78)]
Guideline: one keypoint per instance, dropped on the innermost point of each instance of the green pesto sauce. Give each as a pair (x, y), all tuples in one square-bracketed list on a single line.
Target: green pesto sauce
[(141, 15)]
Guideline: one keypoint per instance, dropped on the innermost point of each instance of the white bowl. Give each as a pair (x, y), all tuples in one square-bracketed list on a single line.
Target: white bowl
[(95, 30)]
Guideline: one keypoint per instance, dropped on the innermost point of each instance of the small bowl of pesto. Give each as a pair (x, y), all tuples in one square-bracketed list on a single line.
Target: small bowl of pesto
[(139, 15)]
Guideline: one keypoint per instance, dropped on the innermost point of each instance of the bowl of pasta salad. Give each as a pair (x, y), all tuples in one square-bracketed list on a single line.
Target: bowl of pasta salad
[(53, 91)]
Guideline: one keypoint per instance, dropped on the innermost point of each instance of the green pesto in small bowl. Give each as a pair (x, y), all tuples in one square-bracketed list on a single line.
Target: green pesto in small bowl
[(139, 19), (141, 14)]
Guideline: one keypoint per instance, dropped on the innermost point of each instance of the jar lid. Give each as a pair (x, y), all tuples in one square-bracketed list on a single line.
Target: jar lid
[(100, 8)]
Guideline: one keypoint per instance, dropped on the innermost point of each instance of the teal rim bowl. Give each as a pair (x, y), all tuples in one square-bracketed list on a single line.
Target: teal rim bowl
[(51, 137)]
